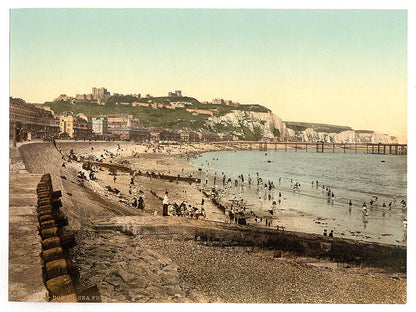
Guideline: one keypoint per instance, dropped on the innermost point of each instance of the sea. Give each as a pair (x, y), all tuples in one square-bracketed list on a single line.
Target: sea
[(355, 176)]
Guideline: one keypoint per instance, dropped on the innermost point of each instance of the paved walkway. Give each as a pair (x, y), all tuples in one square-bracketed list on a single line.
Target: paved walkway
[(25, 265)]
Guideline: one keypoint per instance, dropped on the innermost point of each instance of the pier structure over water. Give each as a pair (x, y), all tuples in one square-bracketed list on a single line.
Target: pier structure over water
[(321, 147)]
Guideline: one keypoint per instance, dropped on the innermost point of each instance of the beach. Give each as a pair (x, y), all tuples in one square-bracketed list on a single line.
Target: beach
[(198, 271)]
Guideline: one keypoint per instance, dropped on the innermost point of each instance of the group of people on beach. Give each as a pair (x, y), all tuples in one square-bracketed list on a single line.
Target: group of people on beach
[(231, 186), (264, 189), (183, 209)]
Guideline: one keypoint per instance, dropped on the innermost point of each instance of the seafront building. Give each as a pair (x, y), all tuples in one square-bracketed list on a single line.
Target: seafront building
[(99, 125), (209, 137), (26, 120), (74, 126), (126, 127), (131, 134), (164, 136), (189, 136), (226, 137), (123, 120)]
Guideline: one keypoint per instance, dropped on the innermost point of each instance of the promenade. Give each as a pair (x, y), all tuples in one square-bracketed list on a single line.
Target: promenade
[(25, 265)]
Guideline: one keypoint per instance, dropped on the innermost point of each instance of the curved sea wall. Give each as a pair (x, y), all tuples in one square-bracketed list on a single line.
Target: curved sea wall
[(79, 203)]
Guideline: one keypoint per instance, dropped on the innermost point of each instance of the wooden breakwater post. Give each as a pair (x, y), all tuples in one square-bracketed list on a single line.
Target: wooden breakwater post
[(60, 274)]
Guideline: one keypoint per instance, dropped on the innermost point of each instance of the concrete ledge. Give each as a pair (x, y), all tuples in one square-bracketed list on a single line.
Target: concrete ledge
[(25, 264)]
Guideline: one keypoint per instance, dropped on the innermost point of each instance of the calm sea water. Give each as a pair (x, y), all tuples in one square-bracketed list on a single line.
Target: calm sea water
[(350, 176)]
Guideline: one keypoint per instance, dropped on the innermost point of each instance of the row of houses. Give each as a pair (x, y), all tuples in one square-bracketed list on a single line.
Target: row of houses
[(222, 102), (125, 127), (44, 124), (81, 126), (172, 136), (155, 105), (27, 120)]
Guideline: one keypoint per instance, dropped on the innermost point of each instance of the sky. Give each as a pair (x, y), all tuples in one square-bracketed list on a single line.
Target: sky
[(345, 67)]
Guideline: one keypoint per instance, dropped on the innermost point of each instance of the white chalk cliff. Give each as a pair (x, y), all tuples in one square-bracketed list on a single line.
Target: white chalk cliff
[(237, 122), (266, 125), (351, 136)]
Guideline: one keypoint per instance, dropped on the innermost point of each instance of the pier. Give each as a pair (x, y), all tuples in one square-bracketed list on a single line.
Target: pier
[(320, 147)]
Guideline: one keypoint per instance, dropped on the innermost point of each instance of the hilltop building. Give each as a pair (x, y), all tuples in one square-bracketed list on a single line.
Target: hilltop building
[(140, 104), (231, 103), (100, 93), (223, 102), (177, 93), (84, 97), (180, 104), (64, 98), (200, 111), (218, 102)]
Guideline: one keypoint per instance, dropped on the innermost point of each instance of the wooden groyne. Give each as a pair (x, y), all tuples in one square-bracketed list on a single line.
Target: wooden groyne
[(60, 274), (117, 167)]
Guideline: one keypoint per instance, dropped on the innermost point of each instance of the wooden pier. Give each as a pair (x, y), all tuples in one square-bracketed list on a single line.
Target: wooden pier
[(320, 147)]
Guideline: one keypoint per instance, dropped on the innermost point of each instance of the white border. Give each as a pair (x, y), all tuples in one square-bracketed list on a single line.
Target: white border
[(352, 4)]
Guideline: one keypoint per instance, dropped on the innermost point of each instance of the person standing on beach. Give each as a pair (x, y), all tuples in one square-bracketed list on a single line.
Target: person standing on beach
[(165, 204)]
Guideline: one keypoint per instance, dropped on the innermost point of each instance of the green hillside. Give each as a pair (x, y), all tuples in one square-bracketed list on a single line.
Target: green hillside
[(300, 126), (158, 118), (162, 118)]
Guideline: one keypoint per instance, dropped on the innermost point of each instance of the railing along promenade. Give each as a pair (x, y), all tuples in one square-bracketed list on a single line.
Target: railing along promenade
[(319, 147)]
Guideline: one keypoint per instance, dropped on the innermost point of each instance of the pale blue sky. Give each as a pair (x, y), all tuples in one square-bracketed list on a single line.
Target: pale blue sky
[(336, 66)]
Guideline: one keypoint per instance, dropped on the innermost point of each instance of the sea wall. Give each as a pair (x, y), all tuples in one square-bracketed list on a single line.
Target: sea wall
[(385, 256)]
